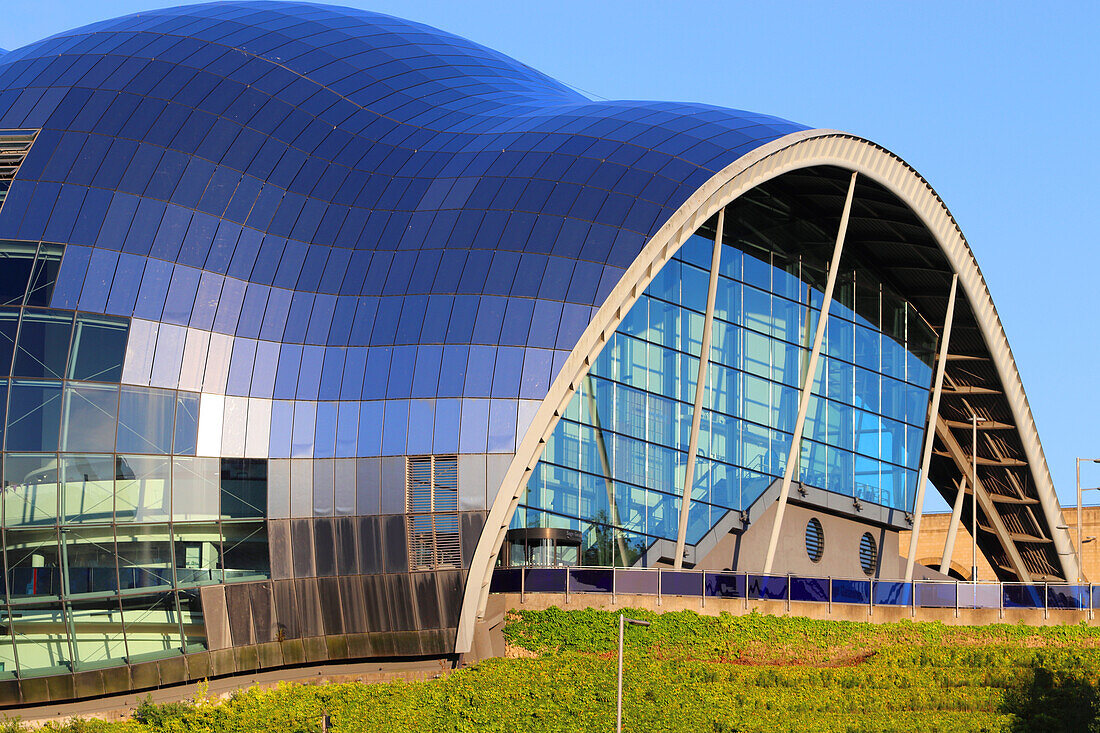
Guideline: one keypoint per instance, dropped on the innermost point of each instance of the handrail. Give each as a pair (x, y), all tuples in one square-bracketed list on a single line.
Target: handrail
[(867, 592)]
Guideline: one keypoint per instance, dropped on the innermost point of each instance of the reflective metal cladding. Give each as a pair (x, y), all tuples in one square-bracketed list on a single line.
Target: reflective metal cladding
[(282, 287)]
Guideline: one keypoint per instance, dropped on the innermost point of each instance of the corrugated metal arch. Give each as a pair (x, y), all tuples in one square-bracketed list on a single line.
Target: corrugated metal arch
[(791, 152)]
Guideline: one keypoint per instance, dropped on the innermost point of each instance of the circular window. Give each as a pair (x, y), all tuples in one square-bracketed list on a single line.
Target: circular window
[(815, 539), (867, 553)]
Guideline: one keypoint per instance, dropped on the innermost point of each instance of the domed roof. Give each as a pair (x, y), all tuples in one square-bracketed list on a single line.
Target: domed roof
[(349, 155)]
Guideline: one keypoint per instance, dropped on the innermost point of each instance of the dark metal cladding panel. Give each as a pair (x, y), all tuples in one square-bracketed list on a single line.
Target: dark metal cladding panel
[(9, 692), (301, 543), (198, 665), (353, 602), (378, 615), (472, 523), (395, 549), (238, 604), (399, 602), (331, 612), (117, 679), (324, 544), (451, 585), (270, 655), (263, 617), (426, 596), (35, 690), (347, 549), (223, 662), (288, 617), (172, 670), (309, 608), (89, 684), (337, 647), (247, 658), (316, 649), (145, 675), (370, 545), (359, 646), (293, 652), (278, 539), (215, 617)]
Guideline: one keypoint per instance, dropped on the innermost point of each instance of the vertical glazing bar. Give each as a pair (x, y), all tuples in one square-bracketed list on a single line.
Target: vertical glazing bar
[(953, 527), (930, 429), (808, 382), (700, 390)]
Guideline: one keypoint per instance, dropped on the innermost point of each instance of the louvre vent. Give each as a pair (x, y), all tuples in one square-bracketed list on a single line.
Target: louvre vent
[(868, 553), (14, 145), (431, 507), (815, 539)]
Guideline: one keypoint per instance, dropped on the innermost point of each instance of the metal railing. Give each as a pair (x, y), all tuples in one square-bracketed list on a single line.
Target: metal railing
[(866, 592)]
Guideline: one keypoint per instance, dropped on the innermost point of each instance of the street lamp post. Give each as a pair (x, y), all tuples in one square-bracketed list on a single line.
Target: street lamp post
[(623, 620), (1080, 542)]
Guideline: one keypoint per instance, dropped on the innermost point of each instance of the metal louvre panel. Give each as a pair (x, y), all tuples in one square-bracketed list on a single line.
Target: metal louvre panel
[(431, 505)]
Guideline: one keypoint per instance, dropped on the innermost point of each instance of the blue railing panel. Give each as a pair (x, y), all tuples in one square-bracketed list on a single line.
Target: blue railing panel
[(545, 580), (680, 583), (639, 582), (505, 580), (590, 580), (852, 591), (1074, 597), (1017, 595), (725, 585), (810, 589), (892, 593), (766, 587), (935, 595)]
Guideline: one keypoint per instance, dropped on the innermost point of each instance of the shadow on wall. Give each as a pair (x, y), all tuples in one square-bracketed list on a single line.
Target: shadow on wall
[(1059, 696)]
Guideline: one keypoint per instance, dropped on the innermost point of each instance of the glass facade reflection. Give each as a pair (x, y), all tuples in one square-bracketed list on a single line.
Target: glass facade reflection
[(261, 264), (614, 466), (104, 499)]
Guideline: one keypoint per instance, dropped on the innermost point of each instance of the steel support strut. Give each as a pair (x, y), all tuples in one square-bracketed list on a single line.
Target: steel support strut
[(808, 381), (700, 390), (929, 430)]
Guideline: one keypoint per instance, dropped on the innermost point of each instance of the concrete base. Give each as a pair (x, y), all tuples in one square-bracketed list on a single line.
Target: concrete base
[(822, 611)]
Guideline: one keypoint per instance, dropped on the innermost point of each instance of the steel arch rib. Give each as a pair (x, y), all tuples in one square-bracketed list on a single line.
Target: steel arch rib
[(792, 152)]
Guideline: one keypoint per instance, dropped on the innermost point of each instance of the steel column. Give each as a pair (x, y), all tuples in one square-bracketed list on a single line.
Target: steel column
[(605, 465), (700, 390), (929, 430), (808, 383), (953, 527)]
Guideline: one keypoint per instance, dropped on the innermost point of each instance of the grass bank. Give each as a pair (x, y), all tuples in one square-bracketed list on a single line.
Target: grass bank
[(701, 673)]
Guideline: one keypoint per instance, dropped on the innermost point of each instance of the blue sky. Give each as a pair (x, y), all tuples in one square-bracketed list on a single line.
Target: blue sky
[(994, 103)]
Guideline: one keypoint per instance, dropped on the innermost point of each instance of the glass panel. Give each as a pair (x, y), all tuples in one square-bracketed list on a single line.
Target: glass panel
[(89, 559), (97, 635), (16, 264), (34, 565), (152, 626), (186, 432), (191, 618), (246, 553), (198, 553), (196, 484), (41, 638), (99, 345), (142, 485), (43, 348), (91, 411), (30, 489), (144, 556), (243, 488), (145, 419), (87, 488), (44, 276), (34, 416)]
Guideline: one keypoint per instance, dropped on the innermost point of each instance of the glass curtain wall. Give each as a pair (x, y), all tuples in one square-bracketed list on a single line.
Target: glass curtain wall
[(613, 468), (110, 521)]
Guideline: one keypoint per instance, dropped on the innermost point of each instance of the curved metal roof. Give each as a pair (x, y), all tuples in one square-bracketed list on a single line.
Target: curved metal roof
[(382, 183)]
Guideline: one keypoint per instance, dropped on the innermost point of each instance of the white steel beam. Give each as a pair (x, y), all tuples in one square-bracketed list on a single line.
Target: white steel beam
[(795, 454), (929, 432), (953, 528), (700, 390)]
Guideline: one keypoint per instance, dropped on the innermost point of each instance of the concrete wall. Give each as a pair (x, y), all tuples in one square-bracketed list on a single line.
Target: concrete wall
[(746, 551)]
